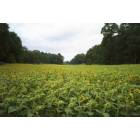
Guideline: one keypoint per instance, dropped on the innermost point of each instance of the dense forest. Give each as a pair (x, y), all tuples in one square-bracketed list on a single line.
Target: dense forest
[(12, 51), (120, 45)]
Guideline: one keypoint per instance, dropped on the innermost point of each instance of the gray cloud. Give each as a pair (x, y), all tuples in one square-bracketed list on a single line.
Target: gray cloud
[(64, 36)]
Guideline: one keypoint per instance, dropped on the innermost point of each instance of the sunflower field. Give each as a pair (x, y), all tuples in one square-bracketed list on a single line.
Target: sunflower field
[(28, 90)]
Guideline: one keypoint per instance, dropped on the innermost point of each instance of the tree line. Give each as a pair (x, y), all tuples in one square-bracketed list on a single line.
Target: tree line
[(120, 45), (12, 51)]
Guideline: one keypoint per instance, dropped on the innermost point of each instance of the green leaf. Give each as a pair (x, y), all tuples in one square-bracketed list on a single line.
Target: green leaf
[(68, 111), (90, 113), (12, 109), (29, 114), (2, 112), (106, 115)]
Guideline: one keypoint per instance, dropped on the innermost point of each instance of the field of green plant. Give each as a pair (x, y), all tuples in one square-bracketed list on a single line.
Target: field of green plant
[(69, 90)]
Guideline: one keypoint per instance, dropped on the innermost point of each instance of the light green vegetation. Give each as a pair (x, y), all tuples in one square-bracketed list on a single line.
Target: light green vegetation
[(69, 90)]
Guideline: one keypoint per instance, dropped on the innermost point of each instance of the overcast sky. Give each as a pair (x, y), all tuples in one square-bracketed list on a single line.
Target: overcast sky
[(67, 39)]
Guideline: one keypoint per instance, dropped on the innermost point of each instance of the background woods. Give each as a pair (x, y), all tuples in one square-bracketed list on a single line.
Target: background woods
[(120, 45), (12, 51)]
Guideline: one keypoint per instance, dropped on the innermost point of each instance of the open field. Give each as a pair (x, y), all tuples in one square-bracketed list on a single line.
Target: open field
[(69, 90)]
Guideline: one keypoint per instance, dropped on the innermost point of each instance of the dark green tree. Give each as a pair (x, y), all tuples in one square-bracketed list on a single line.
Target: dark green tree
[(4, 44), (78, 59), (12, 51), (120, 45)]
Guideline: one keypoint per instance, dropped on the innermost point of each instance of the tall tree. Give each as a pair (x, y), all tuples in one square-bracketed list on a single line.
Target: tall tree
[(4, 37), (12, 51), (120, 44)]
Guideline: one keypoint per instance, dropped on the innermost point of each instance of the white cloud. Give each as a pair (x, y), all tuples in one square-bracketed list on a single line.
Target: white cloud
[(67, 39)]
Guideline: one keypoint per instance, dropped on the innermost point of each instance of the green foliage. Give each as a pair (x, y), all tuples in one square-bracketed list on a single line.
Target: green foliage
[(57, 90), (37, 57), (120, 45), (12, 51), (10, 45), (109, 29), (78, 59)]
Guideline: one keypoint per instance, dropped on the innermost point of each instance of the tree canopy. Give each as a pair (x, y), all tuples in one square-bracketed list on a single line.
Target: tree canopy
[(12, 51), (120, 45), (78, 59)]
